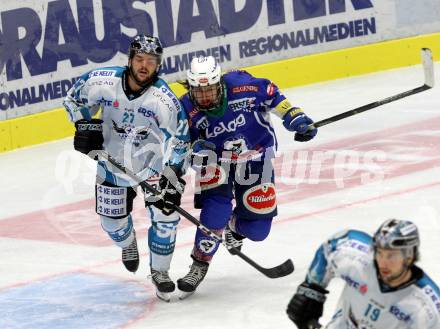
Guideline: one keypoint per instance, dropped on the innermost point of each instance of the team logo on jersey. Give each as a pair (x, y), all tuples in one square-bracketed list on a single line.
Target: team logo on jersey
[(136, 135), (260, 199), (242, 104), (229, 127), (115, 104), (202, 123), (211, 176), (244, 89), (207, 246)]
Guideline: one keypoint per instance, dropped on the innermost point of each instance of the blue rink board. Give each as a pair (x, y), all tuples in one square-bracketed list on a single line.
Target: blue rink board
[(73, 301)]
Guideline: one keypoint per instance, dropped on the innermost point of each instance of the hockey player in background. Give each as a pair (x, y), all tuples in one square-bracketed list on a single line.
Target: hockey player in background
[(383, 286), (234, 139), (143, 127)]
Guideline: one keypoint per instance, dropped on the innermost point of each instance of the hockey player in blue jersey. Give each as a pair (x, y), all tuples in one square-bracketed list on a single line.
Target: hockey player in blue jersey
[(383, 286), (232, 136), (142, 126)]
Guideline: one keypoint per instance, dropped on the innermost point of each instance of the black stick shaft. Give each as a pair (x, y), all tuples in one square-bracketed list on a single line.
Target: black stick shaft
[(370, 106), (274, 272), (428, 68)]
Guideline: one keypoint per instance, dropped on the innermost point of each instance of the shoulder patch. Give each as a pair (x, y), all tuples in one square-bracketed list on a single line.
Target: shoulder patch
[(271, 89), (245, 89), (102, 73)]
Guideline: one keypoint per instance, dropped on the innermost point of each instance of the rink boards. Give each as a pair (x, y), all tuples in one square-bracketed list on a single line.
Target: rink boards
[(53, 125)]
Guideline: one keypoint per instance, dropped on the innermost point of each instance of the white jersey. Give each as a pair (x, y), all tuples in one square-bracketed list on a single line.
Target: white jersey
[(142, 131), (366, 303)]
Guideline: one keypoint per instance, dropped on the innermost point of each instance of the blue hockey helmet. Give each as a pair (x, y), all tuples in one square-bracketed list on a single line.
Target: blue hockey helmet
[(398, 234)]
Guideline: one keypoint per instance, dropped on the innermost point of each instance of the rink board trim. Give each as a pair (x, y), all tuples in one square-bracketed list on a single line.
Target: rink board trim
[(52, 125)]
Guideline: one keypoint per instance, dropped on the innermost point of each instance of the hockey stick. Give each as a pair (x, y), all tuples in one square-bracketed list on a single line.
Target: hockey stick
[(274, 272), (428, 68)]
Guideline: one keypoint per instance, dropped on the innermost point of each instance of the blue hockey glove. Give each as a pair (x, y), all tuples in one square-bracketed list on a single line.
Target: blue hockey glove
[(296, 120)]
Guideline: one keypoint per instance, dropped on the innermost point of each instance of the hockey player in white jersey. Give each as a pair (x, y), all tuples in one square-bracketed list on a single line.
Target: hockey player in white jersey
[(384, 289), (142, 126)]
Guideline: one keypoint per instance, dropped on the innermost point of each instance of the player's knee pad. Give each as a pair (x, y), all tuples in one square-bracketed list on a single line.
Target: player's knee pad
[(119, 230), (114, 201), (162, 237), (204, 246), (255, 230), (216, 212)]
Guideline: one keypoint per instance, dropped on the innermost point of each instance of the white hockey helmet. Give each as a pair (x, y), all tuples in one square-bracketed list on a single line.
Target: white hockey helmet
[(205, 83), (204, 71)]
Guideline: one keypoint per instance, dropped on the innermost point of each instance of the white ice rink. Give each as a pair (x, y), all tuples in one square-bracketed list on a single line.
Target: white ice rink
[(58, 269)]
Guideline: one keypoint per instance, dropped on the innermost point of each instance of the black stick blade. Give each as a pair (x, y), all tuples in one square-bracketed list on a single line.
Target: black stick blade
[(279, 271)]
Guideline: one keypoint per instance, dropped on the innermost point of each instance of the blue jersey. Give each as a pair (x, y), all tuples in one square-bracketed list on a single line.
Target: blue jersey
[(245, 126)]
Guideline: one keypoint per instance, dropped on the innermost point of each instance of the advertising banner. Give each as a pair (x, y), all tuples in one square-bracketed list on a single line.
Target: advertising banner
[(46, 44)]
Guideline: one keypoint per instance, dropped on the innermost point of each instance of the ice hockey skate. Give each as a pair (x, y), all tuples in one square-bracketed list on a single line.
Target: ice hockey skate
[(233, 239), (164, 285), (130, 255), (188, 284)]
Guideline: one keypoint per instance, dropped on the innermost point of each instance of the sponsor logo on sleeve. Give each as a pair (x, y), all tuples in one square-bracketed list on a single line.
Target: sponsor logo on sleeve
[(163, 100), (245, 89), (432, 296), (271, 89)]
